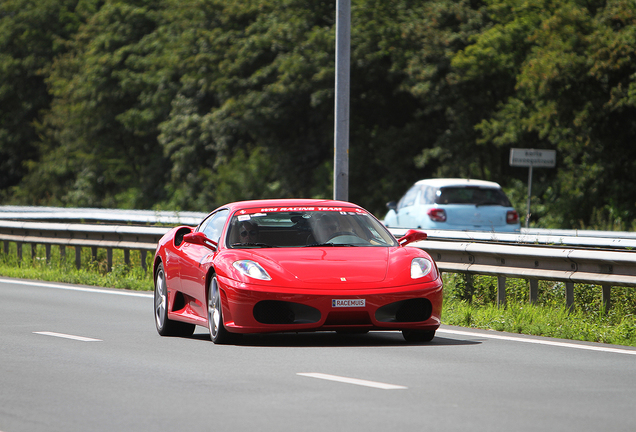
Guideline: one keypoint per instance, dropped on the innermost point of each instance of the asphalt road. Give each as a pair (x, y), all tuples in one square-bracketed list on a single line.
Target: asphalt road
[(79, 359)]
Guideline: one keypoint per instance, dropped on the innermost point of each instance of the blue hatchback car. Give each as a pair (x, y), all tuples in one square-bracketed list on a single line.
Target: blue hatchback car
[(454, 204)]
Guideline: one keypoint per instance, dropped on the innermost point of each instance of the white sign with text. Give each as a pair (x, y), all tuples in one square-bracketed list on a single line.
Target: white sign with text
[(533, 158)]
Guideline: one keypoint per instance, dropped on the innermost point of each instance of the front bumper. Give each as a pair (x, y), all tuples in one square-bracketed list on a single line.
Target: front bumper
[(258, 309)]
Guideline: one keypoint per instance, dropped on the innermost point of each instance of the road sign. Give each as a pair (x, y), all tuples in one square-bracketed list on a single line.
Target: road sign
[(533, 158)]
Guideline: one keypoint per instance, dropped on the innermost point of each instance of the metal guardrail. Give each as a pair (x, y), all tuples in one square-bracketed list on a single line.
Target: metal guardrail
[(109, 237), (559, 238), (605, 259), (114, 216), (598, 267), (577, 238)]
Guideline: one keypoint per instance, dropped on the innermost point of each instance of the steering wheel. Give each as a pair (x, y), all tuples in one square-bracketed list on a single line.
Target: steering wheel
[(339, 234)]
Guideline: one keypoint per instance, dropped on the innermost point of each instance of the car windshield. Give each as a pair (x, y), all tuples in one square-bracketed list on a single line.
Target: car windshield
[(471, 195), (306, 227)]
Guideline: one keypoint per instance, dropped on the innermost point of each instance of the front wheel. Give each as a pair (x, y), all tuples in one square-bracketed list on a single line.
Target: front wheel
[(218, 332), (418, 335)]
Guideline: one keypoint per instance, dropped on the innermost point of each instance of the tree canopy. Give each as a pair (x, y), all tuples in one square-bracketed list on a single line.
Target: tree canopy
[(186, 105)]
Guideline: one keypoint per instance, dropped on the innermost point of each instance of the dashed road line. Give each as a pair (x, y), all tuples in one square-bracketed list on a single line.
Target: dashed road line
[(67, 336), (355, 381)]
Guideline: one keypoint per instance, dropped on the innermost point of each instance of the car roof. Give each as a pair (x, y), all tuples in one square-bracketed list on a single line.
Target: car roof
[(444, 182), (290, 202)]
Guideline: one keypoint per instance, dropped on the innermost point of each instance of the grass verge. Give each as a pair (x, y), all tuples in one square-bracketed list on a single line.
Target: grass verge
[(61, 268), (586, 320), (550, 321)]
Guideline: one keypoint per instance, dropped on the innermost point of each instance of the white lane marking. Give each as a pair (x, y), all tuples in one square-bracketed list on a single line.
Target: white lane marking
[(76, 288), (539, 341), (66, 336), (353, 381)]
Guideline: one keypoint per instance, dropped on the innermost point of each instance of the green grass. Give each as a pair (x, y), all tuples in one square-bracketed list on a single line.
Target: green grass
[(539, 320), (93, 272), (587, 321)]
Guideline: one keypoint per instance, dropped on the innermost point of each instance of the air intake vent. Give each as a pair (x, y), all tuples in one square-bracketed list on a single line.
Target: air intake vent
[(412, 310), (281, 312)]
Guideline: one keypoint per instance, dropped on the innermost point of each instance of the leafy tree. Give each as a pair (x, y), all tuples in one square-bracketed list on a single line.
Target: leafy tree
[(99, 138), (424, 119), (32, 34), (186, 105), (265, 90), (568, 95)]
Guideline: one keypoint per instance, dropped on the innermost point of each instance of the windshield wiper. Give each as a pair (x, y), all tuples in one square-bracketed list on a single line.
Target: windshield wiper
[(331, 244), (263, 245)]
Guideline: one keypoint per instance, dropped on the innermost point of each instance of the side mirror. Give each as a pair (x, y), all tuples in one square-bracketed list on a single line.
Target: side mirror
[(200, 239), (412, 236), (391, 205)]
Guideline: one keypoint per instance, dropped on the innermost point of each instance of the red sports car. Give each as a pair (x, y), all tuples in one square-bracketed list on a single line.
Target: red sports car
[(294, 266)]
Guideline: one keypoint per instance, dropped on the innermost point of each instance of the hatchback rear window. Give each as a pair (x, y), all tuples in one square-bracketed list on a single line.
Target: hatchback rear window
[(471, 195)]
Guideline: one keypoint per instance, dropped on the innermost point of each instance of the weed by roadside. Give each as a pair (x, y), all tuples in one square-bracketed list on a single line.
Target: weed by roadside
[(61, 268), (549, 316)]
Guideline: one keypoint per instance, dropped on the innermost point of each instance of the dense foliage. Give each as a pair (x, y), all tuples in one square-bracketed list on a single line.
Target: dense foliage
[(187, 104)]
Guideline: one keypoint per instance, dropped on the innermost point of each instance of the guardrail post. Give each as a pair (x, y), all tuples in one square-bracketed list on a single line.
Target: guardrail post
[(607, 290), (569, 295), (142, 254), (34, 251), (62, 253), (469, 289), (127, 257), (47, 248), (94, 252), (6, 247), (109, 258), (501, 290), (18, 246), (534, 290), (78, 257)]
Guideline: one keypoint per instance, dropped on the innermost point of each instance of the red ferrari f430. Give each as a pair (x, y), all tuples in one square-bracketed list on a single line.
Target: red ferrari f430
[(294, 266)]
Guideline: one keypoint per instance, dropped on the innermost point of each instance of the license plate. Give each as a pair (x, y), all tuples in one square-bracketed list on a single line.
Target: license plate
[(348, 303)]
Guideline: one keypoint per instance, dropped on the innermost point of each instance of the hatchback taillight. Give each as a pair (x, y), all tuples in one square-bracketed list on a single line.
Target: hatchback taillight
[(512, 217), (437, 214)]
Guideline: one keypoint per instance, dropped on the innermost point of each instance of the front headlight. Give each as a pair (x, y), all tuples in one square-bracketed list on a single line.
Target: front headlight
[(420, 267), (251, 269)]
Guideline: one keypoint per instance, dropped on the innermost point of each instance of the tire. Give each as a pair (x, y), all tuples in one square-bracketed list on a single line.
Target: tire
[(166, 326), (418, 335), (218, 332)]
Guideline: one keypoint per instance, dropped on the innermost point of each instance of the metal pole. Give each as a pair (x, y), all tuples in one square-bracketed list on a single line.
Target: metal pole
[(343, 66), (569, 295), (607, 291), (529, 195), (501, 291), (534, 291)]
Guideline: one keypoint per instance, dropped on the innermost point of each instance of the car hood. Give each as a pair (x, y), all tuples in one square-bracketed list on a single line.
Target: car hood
[(328, 264)]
